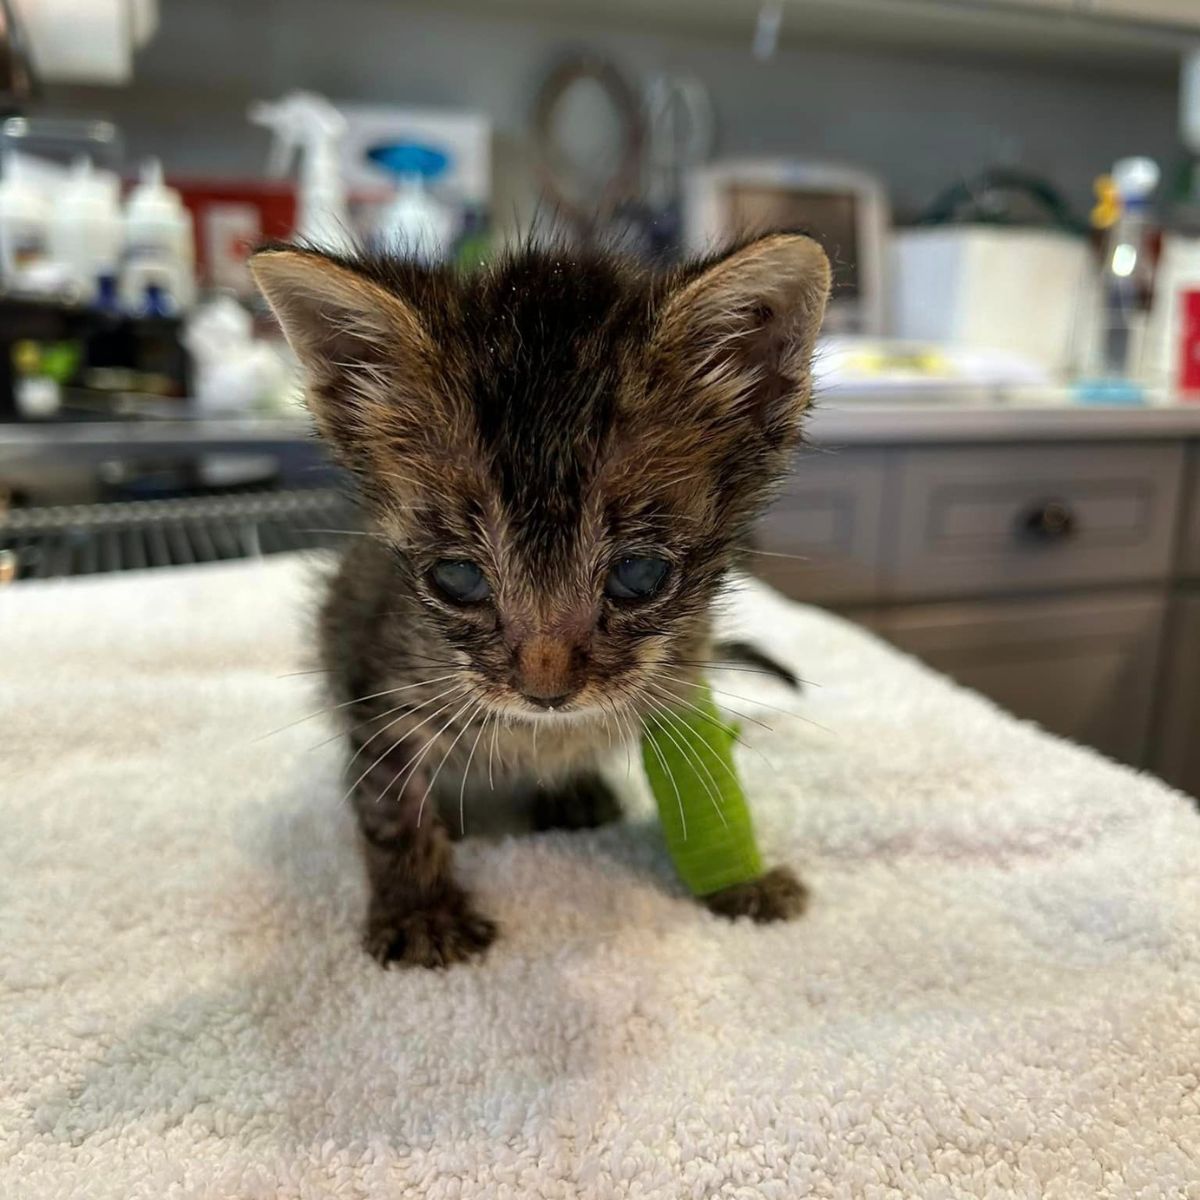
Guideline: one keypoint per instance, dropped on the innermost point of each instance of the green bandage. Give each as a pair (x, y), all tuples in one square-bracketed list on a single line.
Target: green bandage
[(688, 757)]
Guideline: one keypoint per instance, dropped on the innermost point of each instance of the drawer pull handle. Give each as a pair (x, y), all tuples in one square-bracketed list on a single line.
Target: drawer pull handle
[(1049, 521)]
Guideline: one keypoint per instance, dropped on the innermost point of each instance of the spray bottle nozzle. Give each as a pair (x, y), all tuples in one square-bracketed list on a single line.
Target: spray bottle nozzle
[(307, 125)]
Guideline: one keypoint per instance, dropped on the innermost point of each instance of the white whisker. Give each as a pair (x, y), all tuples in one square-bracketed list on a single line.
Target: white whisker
[(718, 723), (449, 749), (462, 787), (492, 750), (692, 755), (404, 710), (667, 695), (667, 771), (399, 741), (787, 712), (347, 703), (409, 770)]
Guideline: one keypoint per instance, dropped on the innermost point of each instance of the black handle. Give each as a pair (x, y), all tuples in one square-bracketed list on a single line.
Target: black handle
[(1048, 521)]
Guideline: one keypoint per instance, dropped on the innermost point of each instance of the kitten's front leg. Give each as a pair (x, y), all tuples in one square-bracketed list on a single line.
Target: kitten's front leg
[(418, 915)]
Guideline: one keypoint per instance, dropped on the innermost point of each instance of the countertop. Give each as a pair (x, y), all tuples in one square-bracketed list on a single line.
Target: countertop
[(845, 422), (834, 422)]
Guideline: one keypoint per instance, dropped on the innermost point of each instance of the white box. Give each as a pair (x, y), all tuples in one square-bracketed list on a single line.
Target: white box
[(1026, 291)]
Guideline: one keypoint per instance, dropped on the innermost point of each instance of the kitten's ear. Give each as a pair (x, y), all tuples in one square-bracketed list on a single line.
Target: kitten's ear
[(363, 349), (738, 337)]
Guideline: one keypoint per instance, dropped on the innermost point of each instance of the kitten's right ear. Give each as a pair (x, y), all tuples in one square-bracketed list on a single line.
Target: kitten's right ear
[(363, 349), (738, 336)]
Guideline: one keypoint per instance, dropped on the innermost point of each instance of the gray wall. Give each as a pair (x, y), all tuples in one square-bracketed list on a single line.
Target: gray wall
[(919, 120)]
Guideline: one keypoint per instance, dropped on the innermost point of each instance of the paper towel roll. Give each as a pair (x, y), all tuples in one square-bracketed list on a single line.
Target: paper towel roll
[(79, 41)]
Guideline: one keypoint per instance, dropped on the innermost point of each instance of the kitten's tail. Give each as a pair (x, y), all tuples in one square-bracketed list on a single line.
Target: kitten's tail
[(745, 652)]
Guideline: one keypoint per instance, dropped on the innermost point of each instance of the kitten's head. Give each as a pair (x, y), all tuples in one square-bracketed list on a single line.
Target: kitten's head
[(563, 451)]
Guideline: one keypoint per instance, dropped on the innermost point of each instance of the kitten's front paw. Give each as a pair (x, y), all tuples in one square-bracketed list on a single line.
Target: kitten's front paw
[(776, 896), (449, 932)]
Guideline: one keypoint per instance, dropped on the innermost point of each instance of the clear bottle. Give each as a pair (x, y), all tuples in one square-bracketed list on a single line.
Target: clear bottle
[(1127, 270)]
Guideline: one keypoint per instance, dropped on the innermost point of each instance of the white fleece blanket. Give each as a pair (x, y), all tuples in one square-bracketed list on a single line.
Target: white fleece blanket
[(996, 991)]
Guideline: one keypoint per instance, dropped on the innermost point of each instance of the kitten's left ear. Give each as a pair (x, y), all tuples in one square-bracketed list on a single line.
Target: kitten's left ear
[(738, 337)]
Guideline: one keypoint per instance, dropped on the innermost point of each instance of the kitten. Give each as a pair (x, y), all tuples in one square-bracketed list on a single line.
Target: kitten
[(558, 456)]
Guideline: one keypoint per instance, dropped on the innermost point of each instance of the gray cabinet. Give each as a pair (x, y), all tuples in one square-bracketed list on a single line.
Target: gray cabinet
[(1177, 747), (1029, 518), (1180, 14), (1189, 549), (1060, 578), (821, 539), (1082, 667)]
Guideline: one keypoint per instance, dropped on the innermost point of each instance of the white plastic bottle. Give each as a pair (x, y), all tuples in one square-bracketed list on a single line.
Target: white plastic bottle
[(158, 266), (24, 224), (86, 232)]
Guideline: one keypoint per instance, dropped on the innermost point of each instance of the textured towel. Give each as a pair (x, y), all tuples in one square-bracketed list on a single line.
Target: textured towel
[(996, 991)]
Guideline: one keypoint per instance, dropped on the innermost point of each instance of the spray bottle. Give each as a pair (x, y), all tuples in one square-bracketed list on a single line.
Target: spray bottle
[(415, 223), (307, 124)]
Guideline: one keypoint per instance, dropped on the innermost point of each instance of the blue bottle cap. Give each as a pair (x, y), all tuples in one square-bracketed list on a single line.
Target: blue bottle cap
[(409, 158)]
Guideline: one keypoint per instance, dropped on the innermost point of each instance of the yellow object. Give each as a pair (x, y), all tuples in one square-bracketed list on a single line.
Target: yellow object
[(1108, 203), (915, 361)]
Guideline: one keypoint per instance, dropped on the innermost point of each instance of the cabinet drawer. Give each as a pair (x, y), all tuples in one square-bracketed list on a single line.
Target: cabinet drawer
[(1177, 753), (820, 540), (1083, 667), (1190, 550), (1027, 517)]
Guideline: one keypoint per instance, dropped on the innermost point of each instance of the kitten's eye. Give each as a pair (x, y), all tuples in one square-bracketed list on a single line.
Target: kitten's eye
[(636, 578), (460, 581)]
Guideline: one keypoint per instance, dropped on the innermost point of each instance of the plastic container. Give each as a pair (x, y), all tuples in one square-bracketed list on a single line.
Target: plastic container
[(86, 232), (985, 287), (24, 224), (158, 263), (1173, 338)]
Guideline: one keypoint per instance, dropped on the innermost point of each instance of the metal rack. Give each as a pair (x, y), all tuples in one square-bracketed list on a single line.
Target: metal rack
[(44, 543)]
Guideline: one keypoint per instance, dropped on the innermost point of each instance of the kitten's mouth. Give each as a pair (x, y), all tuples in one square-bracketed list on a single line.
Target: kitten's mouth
[(567, 711), (548, 703)]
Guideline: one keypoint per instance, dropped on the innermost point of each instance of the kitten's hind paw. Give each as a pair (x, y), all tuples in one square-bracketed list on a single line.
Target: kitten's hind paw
[(438, 936), (776, 896)]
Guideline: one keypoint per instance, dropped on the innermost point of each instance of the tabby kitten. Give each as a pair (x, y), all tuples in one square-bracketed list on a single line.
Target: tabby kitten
[(557, 456)]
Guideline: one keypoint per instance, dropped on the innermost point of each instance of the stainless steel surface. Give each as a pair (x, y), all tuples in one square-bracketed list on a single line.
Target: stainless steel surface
[(98, 440)]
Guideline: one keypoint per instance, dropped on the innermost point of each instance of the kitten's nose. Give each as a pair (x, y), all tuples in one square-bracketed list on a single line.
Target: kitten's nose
[(549, 670)]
